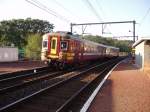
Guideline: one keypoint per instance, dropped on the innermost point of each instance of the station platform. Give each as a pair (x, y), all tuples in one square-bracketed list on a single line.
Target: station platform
[(127, 89)]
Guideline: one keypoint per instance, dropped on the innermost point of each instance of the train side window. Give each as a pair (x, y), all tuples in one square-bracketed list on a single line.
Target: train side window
[(64, 45), (44, 43)]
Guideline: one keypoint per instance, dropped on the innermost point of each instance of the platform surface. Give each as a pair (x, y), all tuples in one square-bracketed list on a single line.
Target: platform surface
[(126, 90), (6, 67)]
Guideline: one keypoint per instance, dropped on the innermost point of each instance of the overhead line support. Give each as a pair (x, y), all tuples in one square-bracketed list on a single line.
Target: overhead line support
[(119, 22)]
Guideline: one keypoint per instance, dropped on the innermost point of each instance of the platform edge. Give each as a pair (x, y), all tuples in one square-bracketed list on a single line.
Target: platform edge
[(91, 98)]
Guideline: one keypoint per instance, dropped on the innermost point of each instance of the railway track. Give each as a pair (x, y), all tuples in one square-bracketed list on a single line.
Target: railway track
[(55, 94), (13, 79), (24, 87), (13, 75), (27, 86)]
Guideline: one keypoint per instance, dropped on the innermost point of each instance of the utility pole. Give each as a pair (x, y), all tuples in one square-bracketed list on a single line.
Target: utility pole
[(134, 30), (71, 27), (102, 29)]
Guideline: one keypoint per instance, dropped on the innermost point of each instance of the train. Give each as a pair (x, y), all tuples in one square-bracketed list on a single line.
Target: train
[(61, 49)]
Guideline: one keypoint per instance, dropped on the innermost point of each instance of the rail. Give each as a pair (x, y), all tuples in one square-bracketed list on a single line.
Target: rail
[(51, 87)]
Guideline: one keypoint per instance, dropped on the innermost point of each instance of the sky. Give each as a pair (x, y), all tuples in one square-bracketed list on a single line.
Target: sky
[(63, 12)]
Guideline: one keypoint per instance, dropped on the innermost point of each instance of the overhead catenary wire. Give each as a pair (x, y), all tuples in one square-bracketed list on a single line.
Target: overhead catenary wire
[(104, 15), (67, 10), (100, 7), (40, 7), (60, 5), (90, 6), (93, 9), (46, 9), (143, 19)]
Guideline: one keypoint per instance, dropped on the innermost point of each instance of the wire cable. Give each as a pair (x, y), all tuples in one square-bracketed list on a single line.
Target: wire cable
[(90, 6), (142, 20), (93, 9), (46, 9), (67, 10), (144, 17)]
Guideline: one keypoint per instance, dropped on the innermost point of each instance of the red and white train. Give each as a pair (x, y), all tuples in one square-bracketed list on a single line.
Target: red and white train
[(64, 48)]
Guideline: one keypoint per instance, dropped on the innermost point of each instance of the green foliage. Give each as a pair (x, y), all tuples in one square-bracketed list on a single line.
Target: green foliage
[(15, 31), (33, 47), (124, 45)]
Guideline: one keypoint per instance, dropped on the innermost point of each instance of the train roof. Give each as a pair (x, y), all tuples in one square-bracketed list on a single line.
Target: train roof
[(111, 47), (61, 33), (69, 35)]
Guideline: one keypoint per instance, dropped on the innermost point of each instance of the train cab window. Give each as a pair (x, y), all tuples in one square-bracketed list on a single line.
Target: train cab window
[(64, 45), (44, 43)]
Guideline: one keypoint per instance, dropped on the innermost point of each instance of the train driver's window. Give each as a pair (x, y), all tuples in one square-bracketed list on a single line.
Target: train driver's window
[(64, 45)]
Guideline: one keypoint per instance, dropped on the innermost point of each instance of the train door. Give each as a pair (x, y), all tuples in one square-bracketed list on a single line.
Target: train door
[(54, 45), (81, 50), (76, 51)]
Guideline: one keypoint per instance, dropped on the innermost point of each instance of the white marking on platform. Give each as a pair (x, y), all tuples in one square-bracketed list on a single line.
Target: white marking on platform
[(91, 98)]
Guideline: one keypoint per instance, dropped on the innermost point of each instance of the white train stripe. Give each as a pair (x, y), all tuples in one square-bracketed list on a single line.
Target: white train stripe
[(92, 53)]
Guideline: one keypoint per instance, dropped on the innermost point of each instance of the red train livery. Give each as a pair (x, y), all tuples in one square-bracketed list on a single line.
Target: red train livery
[(64, 48)]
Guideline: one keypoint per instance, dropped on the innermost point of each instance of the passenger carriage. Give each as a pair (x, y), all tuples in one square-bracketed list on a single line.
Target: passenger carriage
[(63, 48)]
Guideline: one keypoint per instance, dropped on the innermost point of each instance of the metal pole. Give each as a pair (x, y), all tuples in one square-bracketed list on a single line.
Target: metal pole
[(71, 27), (103, 23), (82, 30), (102, 29), (134, 30), (134, 22)]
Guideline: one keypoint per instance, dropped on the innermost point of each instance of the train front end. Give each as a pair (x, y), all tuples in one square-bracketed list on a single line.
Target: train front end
[(45, 48), (54, 48)]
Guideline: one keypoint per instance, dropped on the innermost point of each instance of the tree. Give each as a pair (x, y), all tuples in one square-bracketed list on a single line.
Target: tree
[(123, 45), (33, 47), (15, 31)]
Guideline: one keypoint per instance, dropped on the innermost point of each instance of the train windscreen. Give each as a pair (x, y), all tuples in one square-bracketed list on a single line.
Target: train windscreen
[(64, 45)]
